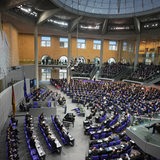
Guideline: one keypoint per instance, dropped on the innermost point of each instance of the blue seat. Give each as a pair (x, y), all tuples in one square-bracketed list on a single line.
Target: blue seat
[(96, 145), (117, 142), (63, 140), (104, 156), (103, 135), (104, 145), (35, 104), (35, 157), (111, 143), (95, 157), (33, 152), (115, 156), (96, 136)]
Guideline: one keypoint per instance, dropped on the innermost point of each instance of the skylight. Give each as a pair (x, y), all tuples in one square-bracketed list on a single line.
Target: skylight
[(27, 10), (58, 22), (90, 27), (119, 28), (151, 25)]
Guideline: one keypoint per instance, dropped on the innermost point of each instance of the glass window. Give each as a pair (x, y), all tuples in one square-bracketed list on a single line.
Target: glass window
[(130, 48), (45, 41), (97, 44), (46, 74), (62, 74), (124, 46), (113, 45), (63, 42), (81, 43)]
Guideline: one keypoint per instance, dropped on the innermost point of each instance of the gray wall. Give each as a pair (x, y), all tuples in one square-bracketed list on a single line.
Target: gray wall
[(6, 100), (18, 74)]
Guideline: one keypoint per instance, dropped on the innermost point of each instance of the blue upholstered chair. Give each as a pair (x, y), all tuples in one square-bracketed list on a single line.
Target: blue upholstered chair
[(104, 156), (95, 157)]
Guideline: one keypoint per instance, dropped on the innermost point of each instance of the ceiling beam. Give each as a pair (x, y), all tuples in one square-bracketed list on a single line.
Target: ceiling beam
[(137, 25), (104, 27), (46, 15), (7, 4), (74, 23)]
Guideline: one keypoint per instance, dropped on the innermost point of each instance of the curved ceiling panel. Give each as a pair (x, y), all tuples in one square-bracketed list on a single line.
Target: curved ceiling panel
[(110, 8)]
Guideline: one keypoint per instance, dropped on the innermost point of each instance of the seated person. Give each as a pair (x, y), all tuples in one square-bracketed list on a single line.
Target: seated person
[(60, 101), (63, 100), (32, 142), (14, 120), (41, 117), (93, 151), (52, 142), (22, 107), (155, 126)]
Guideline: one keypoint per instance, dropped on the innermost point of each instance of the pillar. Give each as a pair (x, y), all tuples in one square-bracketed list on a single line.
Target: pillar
[(69, 58), (36, 55), (119, 51), (101, 53), (136, 52)]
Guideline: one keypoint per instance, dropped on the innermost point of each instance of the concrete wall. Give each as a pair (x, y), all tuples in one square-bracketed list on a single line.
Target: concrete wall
[(6, 100)]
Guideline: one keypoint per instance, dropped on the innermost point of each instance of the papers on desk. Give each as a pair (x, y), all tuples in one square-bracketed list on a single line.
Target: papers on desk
[(115, 147), (132, 141), (99, 141), (122, 145), (39, 148)]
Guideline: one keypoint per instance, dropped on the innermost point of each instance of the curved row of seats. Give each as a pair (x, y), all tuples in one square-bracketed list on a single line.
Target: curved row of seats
[(35, 149), (52, 142), (65, 136), (12, 140)]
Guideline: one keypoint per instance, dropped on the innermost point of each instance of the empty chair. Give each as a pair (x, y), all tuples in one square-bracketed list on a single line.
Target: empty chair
[(35, 157), (111, 143), (103, 135), (35, 104), (115, 156), (63, 140), (117, 142), (33, 152)]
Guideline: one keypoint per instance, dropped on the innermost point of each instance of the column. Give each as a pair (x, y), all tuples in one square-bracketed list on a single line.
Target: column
[(69, 58), (36, 55), (136, 52), (101, 53), (119, 51)]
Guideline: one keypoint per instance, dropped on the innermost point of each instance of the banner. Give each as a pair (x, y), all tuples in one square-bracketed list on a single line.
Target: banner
[(25, 88), (13, 101)]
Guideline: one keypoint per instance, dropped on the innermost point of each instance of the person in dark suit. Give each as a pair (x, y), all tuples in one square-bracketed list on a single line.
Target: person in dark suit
[(155, 126), (52, 142), (32, 142)]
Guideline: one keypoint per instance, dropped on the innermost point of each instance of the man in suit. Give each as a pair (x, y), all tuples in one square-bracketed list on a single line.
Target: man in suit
[(155, 126)]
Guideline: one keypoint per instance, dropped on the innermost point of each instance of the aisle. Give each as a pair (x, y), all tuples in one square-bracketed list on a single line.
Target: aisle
[(80, 149)]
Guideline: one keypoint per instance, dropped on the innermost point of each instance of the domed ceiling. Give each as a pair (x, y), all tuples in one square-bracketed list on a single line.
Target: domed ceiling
[(111, 19), (110, 8)]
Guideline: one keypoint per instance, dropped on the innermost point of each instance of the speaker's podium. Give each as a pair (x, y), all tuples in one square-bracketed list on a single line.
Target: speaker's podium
[(143, 137)]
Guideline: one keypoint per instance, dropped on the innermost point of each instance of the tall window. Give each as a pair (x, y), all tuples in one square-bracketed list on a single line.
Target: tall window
[(81, 43), (62, 73), (97, 44), (63, 42), (124, 46), (113, 45), (45, 41), (46, 74), (130, 48)]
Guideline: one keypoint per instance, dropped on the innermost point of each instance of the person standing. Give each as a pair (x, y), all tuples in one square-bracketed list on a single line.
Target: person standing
[(65, 108)]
